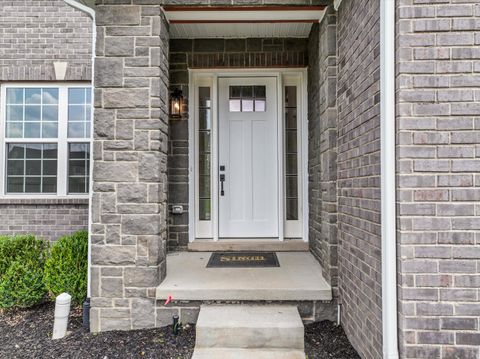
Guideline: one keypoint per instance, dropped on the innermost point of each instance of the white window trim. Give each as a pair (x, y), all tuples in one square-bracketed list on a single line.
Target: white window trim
[(204, 227), (62, 141), (198, 78), (295, 227)]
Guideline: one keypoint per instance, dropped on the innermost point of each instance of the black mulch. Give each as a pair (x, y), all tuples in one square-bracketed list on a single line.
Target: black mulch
[(27, 333), (325, 340)]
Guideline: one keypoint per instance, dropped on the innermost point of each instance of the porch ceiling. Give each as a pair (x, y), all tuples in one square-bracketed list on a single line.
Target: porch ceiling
[(188, 22)]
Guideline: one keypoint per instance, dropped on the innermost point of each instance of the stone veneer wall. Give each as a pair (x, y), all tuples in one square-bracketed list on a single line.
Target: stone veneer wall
[(129, 206), (438, 166), (359, 234), (34, 34), (212, 53), (322, 142)]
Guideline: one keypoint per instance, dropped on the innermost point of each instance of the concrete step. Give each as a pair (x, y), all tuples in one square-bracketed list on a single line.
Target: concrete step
[(271, 327), (222, 353)]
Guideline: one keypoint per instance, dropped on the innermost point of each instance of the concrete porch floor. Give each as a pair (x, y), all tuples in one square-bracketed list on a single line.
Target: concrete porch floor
[(298, 278)]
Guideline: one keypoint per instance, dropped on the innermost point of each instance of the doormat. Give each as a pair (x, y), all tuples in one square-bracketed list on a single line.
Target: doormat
[(243, 260)]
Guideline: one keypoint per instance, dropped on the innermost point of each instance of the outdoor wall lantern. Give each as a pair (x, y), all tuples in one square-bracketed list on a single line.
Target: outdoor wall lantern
[(176, 103)]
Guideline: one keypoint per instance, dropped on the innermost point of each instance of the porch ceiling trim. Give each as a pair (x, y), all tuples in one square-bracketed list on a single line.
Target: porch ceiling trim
[(242, 21)]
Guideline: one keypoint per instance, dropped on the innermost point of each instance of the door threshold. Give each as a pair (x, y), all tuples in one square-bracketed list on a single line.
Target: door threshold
[(254, 245)]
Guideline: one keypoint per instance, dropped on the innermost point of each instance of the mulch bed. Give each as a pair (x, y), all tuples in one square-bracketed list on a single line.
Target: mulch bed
[(26, 334), (327, 340)]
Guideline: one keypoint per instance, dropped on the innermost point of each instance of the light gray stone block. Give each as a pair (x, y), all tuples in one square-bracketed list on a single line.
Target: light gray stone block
[(141, 277), (118, 15), (113, 255), (143, 313), (109, 72), (125, 98)]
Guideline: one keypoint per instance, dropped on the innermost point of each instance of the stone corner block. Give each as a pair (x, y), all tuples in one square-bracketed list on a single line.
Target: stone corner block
[(118, 15)]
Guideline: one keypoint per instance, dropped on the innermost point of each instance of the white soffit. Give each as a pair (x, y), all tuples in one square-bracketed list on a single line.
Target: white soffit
[(191, 31), (187, 22)]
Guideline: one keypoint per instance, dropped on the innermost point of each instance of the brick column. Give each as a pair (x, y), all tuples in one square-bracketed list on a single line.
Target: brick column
[(130, 163)]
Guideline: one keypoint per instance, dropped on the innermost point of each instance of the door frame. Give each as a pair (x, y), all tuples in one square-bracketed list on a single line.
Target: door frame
[(208, 230)]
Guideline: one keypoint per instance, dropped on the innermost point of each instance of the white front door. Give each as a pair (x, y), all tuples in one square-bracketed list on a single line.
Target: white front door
[(248, 157)]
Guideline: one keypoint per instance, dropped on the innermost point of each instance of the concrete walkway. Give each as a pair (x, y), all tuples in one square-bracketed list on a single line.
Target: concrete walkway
[(299, 277)]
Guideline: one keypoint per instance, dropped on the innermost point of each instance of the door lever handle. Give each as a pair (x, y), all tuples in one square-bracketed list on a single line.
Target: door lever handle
[(222, 179)]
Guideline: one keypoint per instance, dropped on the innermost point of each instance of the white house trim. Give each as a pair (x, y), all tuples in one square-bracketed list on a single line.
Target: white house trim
[(62, 140), (388, 201), (203, 77), (90, 12), (245, 14)]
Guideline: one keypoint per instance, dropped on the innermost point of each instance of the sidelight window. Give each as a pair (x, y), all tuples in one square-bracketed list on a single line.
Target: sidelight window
[(291, 153), (204, 153)]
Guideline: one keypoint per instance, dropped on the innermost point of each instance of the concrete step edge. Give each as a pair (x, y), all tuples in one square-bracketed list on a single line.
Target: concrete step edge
[(240, 353)]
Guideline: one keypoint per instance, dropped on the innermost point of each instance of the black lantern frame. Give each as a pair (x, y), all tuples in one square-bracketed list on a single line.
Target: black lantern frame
[(176, 103)]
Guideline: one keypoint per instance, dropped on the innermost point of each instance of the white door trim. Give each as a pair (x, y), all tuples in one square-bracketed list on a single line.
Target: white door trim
[(208, 230), (281, 184)]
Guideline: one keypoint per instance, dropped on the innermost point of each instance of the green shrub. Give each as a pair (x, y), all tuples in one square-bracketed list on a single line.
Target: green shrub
[(21, 286), (66, 267), (22, 260)]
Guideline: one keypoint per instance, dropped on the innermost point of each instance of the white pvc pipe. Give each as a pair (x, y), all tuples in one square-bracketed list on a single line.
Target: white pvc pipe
[(90, 12), (62, 310), (388, 201)]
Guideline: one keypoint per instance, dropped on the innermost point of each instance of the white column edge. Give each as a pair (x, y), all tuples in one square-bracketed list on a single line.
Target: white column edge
[(388, 186)]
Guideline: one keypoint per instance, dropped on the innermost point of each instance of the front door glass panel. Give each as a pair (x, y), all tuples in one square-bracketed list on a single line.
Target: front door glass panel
[(247, 99)]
